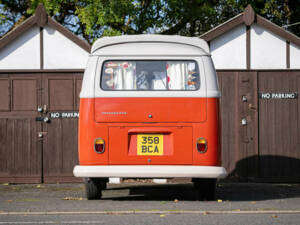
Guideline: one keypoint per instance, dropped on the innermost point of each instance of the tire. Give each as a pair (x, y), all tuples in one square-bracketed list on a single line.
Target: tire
[(206, 188), (93, 188)]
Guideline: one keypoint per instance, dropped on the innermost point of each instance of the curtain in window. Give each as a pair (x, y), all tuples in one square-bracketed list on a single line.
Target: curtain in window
[(125, 76), (177, 75)]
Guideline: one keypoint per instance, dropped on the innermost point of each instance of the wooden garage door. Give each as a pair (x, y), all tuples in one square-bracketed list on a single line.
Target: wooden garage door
[(31, 150), (267, 146), (20, 147), (239, 141), (279, 125), (61, 98)]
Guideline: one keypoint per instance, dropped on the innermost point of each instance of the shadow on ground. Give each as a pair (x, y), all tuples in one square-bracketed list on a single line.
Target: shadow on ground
[(186, 192)]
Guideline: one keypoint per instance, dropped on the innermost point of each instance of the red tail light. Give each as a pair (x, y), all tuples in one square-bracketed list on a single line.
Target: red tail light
[(99, 145), (201, 145)]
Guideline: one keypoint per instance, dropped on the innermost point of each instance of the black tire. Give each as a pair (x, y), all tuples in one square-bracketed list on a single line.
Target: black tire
[(206, 188), (93, 188)]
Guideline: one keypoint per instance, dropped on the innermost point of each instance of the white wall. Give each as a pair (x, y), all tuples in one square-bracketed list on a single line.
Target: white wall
[(62, 53), (229, 50), (268, 51), (23, 52), (294, 56)]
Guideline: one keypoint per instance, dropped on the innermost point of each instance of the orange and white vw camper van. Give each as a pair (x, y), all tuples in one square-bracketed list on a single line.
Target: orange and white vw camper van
[(149, 108)]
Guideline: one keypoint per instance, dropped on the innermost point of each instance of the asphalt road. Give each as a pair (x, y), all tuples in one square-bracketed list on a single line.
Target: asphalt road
[(144, 203)]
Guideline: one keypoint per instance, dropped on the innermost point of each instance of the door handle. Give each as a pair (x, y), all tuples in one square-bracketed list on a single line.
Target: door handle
[(42, 109), (42, 119), (244, 122)]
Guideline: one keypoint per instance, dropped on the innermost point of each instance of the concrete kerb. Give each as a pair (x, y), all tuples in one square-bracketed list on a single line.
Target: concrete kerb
[(159, 212)]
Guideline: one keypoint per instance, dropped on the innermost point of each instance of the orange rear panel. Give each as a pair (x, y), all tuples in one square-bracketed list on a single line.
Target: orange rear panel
[(120, 131)]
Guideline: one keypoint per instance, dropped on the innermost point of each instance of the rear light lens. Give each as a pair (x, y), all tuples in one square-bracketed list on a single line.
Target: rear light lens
[(99, 145), (201, 145)]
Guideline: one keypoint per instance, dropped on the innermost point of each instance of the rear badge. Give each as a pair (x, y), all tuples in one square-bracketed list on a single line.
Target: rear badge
[(114, 113)]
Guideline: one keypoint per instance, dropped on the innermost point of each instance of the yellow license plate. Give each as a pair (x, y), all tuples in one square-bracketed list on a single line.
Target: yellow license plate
[(150, 144)]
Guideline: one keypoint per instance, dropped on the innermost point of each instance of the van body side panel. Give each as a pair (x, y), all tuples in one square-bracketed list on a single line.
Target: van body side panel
[(88, 132), (162, 110), (210, 130)]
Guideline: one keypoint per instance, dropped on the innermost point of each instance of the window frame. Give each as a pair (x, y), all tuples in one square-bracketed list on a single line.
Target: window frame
[(163, 90)]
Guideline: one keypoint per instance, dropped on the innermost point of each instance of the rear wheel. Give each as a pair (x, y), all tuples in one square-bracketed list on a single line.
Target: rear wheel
[(206, 188), (93, 187)]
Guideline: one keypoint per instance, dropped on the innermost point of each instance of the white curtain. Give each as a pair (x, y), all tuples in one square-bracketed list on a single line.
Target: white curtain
[(177, 75), (124, 77)]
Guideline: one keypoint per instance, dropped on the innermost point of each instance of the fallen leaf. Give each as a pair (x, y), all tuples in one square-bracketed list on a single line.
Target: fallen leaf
[(252, 202), (5, 184), (274, 216), (220, 200), (204, 213), (162, 215), (9, 200), (38, 186)]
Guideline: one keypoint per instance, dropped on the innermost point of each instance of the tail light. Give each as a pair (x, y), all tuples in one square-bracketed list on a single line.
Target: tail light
[(99, 145), (201, 145)]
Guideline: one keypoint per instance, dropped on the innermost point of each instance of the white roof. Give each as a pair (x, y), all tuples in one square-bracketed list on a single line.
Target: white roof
[(191, 41)]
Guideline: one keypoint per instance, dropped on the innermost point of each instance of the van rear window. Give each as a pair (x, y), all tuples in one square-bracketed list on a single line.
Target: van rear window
[(150, 75)]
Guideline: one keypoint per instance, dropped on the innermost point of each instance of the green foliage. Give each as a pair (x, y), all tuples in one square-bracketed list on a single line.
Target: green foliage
[(91, 19)]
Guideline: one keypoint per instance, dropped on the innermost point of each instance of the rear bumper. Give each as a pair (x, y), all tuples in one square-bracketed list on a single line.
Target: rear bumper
[(150, 171)]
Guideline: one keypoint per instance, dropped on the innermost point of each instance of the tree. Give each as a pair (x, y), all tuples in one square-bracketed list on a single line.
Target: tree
[(280, 12), (13, 12), (91, 19)]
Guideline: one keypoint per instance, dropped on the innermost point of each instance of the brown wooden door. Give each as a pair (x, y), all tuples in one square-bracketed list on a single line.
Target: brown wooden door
[(239, 142), (279, 126), (247, 166), (20, 147), (61, 98), (228, 82)]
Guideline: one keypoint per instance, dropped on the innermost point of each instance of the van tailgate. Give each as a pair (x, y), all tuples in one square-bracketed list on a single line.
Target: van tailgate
[(150, 145), (150, 109)]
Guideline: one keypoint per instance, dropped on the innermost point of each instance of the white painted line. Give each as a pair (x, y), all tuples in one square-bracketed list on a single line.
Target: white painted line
[(128, 212), (53, 222)]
